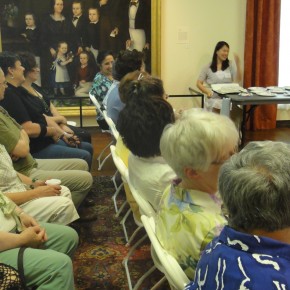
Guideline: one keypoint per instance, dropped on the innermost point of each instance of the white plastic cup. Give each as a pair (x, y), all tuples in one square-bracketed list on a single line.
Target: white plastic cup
[(53, 182)]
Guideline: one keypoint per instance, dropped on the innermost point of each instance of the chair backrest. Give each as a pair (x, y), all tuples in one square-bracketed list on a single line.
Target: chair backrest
[(111, 125), (122, 168), (96, 103), (171, 269), (144, 206)]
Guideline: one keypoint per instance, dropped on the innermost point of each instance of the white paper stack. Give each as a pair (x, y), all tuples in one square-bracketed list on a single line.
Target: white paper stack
[(230, 88)]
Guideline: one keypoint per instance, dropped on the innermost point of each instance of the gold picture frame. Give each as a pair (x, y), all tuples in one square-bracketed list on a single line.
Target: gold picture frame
[(89, 111)]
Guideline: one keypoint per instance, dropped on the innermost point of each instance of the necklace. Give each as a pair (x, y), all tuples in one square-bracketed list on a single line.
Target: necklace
[(33, 92)]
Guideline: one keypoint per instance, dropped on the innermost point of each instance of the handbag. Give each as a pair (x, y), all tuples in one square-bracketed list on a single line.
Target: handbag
[(9, 278)]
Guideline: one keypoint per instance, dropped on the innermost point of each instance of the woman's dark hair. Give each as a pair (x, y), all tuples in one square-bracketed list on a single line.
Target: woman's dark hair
[(102, 55), (33, 15), (8, 59), (144, 117), (52, 3), (91, 59), (225, 63), (127, 61), (27, 61)]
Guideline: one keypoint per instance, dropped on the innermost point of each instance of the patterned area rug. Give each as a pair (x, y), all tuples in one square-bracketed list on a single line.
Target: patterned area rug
[(98, 260)]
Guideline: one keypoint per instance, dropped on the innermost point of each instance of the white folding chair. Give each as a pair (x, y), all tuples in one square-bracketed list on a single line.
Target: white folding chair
[(124, 173), (121, 167), (111, 125), (114, 132), (145, 208), (101, 160), (170, 267)]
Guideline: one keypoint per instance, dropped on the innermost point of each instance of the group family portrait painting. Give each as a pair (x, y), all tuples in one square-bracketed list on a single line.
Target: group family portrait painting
[(66, 35)]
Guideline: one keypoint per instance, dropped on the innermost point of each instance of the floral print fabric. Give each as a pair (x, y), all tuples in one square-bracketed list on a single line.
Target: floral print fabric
[(187, 221)]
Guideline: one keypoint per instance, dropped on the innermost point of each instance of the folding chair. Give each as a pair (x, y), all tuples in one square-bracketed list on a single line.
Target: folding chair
[(115, 134), (170, 267), (121, 167), (99, 158), (124, 173)]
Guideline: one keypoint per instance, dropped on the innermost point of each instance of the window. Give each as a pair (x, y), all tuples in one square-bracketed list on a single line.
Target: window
[(284, 55)]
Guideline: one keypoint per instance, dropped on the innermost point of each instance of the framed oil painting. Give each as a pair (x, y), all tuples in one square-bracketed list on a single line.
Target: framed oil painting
[(29, 25)]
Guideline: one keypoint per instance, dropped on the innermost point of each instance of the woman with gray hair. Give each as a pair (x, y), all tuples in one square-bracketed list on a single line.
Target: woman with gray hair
[(190, 211), (254, 248)]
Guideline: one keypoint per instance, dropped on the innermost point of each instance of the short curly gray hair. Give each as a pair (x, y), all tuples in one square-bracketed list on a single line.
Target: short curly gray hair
[(255, 187)]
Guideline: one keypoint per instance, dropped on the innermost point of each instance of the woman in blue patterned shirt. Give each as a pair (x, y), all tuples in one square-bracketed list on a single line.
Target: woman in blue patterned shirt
[(103, 80)]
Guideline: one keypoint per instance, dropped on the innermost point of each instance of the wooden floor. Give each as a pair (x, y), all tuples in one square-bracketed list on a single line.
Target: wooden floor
[(100, 140)]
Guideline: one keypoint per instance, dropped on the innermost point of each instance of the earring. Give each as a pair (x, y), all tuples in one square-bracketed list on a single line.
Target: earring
[(12, 76)]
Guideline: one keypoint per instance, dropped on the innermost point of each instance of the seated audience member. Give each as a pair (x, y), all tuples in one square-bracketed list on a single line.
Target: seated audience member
[(103, 81), (127, 61), (47, 248), (189, 215), (140, 124), (26, 104), (46, 203), (253, 251), (72, 172)]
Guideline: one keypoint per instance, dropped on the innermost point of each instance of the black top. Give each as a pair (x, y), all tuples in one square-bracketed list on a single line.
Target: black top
[(32, 40), (81, 30), (24, 107), (52, 32), (93, 35)]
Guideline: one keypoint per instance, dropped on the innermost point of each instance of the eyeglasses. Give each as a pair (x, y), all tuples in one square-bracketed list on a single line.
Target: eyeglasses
[(4, 84)]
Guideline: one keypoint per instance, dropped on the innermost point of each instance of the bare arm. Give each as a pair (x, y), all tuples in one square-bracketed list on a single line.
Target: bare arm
[(32, 237), (204, 89), (65, 62), (55, 113), (33, 130), (21, 149), (25, 179), (239, 70), (28, 181), (41, 191)]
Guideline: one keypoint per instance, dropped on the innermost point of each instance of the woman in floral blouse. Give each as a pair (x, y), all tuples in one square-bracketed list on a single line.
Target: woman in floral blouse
[(190, 215)]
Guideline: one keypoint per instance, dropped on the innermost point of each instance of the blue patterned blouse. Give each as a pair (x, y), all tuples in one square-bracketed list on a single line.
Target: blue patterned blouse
[(236, 260), (100, 86)]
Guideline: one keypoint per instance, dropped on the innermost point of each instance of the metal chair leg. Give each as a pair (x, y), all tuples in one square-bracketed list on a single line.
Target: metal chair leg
[(159, 283), (114, 179), (133, 235), (114, 197), (126, 260), (122, 222), (99, 158), (143, 277)]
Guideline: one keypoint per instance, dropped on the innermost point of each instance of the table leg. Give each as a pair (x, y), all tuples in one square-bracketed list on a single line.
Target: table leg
[(243, 127)]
